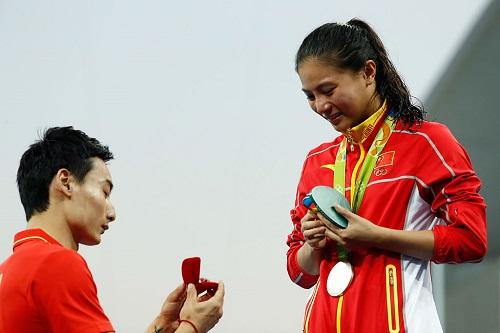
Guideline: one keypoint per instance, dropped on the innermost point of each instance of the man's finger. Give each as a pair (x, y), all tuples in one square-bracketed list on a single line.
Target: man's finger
[(219, 294), (178, 293)]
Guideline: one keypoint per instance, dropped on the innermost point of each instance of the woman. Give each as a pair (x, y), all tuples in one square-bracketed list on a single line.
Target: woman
[(412, 189)]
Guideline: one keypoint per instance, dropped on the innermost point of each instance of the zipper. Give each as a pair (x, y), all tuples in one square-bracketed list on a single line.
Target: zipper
[(350, 140), (391, 287)]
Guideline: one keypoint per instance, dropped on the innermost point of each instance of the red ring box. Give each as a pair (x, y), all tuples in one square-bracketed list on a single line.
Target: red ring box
[(191, 274)]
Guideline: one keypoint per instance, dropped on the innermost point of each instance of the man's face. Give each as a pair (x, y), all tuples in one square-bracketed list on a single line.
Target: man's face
[(89, 211)]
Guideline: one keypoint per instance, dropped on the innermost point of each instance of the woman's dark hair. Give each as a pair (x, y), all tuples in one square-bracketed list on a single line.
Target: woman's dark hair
[(349, 46), (59, 147)]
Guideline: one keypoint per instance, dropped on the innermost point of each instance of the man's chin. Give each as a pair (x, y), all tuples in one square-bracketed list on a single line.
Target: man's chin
[(92, 242)]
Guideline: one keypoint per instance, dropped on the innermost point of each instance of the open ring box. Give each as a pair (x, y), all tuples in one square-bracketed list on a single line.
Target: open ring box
[(191, 274)]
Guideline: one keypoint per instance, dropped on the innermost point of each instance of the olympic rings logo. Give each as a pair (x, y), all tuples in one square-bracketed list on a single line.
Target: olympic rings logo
[(380, 172)]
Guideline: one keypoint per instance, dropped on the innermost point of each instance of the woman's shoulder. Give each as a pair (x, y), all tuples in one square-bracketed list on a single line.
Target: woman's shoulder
[(426, 128), (325, 147), (436, 135)]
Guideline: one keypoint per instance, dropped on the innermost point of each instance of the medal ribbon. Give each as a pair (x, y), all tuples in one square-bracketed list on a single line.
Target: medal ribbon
[(358, 187)]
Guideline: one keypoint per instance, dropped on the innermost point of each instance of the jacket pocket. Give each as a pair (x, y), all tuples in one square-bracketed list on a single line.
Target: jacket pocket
[(391, 287)]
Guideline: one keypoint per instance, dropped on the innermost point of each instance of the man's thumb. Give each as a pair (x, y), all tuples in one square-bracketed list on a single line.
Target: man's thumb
[(191, 292)]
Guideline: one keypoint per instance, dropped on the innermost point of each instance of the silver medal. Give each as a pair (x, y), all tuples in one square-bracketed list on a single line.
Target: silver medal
[(339, 278)]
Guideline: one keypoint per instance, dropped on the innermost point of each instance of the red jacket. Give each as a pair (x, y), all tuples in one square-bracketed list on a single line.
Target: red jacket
[(423, 180)]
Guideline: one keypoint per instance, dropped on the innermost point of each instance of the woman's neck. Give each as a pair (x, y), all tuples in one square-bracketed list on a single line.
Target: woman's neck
[(361, 131)]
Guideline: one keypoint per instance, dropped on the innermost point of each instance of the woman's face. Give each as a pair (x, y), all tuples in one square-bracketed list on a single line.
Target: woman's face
[(342, 97)]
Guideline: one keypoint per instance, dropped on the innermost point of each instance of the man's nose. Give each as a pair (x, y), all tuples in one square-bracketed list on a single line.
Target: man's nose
[(110, 213)]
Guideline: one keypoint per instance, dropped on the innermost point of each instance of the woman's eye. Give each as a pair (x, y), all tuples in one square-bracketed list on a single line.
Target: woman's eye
[(329, 92)]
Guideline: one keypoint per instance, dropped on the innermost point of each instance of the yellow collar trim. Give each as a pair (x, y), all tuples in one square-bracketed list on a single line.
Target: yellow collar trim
[(27, 238), (360, 132)]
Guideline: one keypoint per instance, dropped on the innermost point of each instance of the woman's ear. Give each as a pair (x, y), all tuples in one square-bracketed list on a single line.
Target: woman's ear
[(370, 71)]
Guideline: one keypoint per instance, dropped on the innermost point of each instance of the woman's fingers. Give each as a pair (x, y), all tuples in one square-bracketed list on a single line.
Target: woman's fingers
[(335, 237), (344, 212)]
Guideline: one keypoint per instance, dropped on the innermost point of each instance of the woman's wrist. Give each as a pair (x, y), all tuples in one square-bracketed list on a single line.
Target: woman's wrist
[(312, 251), (309, 259)]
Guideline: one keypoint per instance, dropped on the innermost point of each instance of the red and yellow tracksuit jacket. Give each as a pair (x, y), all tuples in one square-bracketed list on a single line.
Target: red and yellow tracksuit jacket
[(423, 180)]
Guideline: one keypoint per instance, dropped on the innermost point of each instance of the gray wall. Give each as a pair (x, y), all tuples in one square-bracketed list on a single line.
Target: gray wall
[(466, 99)]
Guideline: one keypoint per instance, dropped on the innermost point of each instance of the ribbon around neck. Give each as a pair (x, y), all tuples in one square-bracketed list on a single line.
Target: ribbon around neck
[(359, 183)]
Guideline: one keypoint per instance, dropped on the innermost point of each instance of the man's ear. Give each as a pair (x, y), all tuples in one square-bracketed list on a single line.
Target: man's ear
[(370, 71), (64, 182)]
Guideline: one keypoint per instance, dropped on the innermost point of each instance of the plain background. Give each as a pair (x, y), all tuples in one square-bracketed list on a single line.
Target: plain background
[(200, 103)]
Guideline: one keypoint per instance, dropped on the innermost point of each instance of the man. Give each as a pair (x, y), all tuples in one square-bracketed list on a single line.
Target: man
[(45, 285)]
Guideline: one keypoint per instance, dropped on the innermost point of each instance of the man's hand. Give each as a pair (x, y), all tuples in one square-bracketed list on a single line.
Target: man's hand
[(204, 311), (171, 308), (168, 319)]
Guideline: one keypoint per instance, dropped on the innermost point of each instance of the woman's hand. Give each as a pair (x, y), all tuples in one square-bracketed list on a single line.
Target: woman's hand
[(313, 230), (362, 233), (359, 232)]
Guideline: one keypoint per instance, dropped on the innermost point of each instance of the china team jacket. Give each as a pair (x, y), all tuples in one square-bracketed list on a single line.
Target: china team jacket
[(423, 180)]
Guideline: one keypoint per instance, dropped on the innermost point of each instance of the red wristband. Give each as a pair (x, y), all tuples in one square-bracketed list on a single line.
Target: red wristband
[(190, 323)]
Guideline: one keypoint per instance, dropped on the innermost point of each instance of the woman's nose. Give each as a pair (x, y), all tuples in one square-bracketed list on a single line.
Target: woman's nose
[(322, 105)]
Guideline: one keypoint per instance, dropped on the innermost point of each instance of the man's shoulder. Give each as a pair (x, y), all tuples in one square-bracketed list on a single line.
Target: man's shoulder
[(62, 257), (42, 268), (63, 269), (48, 251), (32, 256), (49, 259)]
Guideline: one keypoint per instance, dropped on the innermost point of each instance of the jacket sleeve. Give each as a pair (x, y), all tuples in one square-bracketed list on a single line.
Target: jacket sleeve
[(454, 198), (295, 239)]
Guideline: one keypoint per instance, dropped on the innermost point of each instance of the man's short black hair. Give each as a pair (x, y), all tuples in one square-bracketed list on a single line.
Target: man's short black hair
[(59, 147)]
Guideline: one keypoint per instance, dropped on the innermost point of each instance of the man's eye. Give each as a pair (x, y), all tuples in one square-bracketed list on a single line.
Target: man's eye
[(310, 97)]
